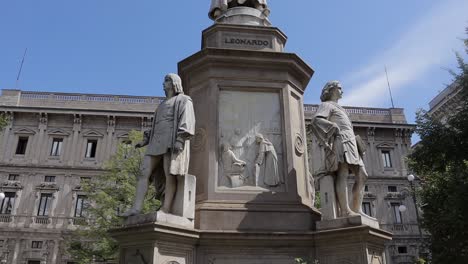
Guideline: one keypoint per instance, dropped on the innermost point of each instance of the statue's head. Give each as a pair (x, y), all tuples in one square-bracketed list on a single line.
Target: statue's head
[(226, 147), (176, 83), (328, 89), (259, 138)]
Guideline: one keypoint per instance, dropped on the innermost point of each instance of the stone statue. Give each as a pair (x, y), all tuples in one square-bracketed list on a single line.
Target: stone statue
[(168, 152), (333, 128), (232, 166), (218, 7), (266, 163)]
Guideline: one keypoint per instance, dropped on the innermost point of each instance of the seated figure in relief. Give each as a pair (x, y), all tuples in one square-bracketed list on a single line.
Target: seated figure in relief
[(218, 7), (233, 167)]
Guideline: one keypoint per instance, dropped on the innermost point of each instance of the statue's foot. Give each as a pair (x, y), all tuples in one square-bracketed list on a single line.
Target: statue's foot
[(130, 212), (164, 210), (350, 213)]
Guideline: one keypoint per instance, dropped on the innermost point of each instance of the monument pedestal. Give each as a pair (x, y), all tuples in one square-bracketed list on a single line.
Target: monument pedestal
[(351, 245), (149, 242)]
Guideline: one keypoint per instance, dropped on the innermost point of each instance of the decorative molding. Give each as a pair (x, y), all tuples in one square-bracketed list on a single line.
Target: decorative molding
[(92, 133), (58, 132), (25, 131), (385, 145), (11, 185), (123, 135), (299, 145), (47, 186)]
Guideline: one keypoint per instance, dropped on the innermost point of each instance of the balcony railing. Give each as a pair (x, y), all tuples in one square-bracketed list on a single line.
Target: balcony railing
[(49, 222), (5, 218), (401, 229)]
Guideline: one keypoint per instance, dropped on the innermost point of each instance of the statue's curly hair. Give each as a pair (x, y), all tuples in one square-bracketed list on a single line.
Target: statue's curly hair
[(325, 96)]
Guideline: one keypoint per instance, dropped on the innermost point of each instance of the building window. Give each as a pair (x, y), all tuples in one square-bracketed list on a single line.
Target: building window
[(6, 205), (392, 189), (22, 144), (387, 160), (366, 188), (402, 250), (1, 243), (49, 178), (34, 262), (44, 204), (56, 147), (91, 147), (13, 177), (36, 244), (396, 213), (366, 208), (80, 207)]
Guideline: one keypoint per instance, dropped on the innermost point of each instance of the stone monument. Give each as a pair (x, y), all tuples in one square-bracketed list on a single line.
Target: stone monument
[(254, 192)]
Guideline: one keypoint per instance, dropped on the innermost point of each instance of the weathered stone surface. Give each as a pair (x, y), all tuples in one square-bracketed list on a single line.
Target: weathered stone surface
[(251, 37), (346, 222), (159, 217)]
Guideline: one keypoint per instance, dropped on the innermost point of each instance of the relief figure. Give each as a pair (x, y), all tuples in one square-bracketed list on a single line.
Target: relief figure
[(233, 167), (266, 163)]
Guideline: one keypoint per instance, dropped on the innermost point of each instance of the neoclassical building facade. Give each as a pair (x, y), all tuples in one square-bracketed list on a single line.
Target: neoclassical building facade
[(54, 141)]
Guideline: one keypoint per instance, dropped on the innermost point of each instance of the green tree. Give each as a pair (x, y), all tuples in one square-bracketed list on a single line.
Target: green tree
[(441, 161), (108, 195), (3, 121)]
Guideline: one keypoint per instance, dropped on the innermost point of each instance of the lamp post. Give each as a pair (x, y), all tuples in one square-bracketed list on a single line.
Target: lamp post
[(411, 179)]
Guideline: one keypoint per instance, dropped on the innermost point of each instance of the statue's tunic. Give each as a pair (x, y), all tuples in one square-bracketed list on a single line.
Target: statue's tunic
[(174, 120), (344, 145)]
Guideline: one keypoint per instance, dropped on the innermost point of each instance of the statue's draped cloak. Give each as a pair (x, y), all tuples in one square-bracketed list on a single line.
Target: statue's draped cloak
[(340, 147), (183, 129), (269, 164)]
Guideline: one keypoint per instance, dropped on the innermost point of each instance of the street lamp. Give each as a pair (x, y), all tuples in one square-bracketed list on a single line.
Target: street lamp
[(402, 208), (411, 179), (2, 195)]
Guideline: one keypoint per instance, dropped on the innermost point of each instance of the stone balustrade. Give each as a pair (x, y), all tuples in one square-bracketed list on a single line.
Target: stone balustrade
[(48, 222)]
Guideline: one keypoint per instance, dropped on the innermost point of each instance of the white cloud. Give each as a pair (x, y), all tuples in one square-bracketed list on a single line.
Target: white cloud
[(426, 44)]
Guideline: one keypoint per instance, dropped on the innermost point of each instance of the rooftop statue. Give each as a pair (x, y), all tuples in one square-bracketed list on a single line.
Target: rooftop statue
[(218, 7)]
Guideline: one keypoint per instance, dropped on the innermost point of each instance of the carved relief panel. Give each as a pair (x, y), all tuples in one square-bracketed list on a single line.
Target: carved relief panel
[(250, 141)]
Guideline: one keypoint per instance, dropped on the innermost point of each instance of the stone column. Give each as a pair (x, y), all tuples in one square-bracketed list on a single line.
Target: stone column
[(74, 148)]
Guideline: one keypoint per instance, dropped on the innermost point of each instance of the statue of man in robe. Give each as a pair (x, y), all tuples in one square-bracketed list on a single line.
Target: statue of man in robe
[(343, 150), (168, 152), (218, 7)]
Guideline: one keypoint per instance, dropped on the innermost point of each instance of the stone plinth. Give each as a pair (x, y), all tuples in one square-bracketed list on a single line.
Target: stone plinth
[(351, 245), (159, 217), (156, 243), (239, 93), (346, 222), (184, 201), (227, 36)]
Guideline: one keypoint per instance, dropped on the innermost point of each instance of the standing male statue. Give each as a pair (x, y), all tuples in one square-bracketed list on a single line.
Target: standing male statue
[(168, 152), (218, 7), (343, 150)]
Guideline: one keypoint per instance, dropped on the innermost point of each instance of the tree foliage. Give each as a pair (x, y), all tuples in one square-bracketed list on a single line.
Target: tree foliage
[(3, 121), (441, 161), (108, 195)]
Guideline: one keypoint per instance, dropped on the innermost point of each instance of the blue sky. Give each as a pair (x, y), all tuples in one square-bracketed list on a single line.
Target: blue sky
[(126, 47)]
